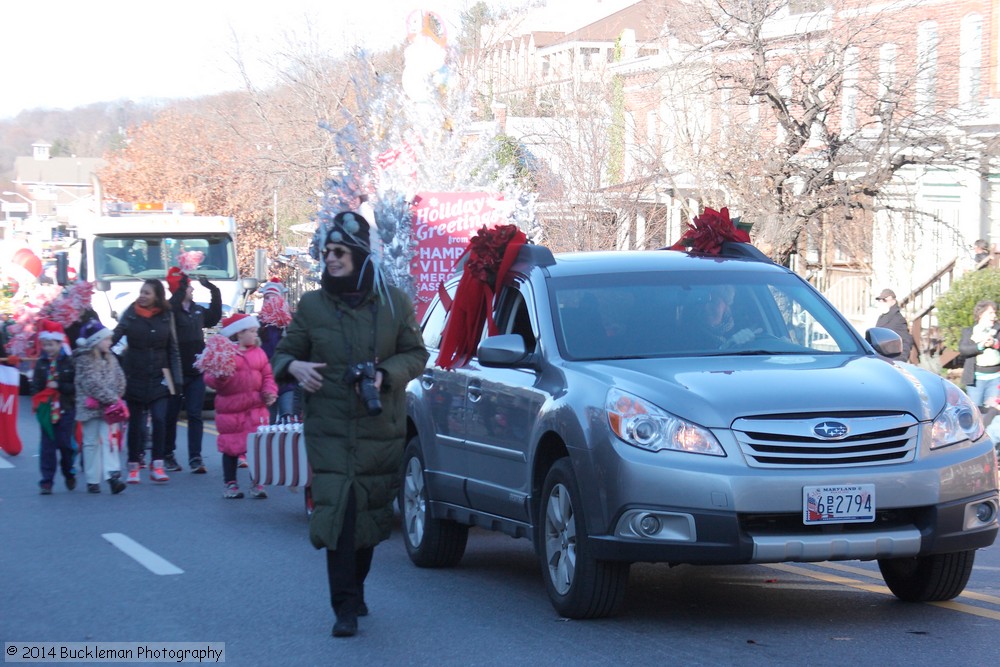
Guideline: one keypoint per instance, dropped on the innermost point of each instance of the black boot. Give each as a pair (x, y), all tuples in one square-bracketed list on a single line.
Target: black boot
[(346, 626), (117, 486)]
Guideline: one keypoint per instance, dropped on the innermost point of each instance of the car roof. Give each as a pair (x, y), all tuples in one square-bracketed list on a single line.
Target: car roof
[(626, 261)]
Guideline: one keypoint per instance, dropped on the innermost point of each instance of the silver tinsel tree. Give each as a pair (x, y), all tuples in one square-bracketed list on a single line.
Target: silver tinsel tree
[(393, 147)]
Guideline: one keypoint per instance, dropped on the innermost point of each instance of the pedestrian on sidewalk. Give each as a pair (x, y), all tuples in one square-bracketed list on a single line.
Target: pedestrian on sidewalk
[(100, 384), (239, 372), (53, 392), (980, 348), (152, 366), (191, 319), (892, 318)]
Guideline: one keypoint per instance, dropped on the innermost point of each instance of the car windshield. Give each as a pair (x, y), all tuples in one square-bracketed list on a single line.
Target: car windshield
[(694, 313), (138, 257)]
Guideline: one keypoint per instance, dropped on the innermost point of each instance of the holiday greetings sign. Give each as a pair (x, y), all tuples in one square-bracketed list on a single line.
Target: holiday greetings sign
[(443, 223)]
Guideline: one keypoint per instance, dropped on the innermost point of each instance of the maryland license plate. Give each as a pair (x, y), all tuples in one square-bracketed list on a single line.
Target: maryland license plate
[(850, 503)]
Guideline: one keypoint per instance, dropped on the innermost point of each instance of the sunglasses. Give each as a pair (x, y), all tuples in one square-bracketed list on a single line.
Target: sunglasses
[(337, 252)]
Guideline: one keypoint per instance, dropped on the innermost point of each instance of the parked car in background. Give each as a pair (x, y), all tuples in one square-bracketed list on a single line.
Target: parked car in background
[(608, 425)]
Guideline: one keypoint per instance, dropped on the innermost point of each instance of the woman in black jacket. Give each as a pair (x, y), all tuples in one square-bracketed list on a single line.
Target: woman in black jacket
[(152, 366)]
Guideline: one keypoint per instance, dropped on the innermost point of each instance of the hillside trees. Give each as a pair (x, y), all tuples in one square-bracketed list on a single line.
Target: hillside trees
[(195, 157)]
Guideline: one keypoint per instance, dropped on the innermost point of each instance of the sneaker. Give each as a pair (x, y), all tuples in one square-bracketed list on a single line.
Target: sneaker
[(171, 464), (197, 466), (45, 489), (156, 472), (117, 486), (142, 461), (257, 491), (93, 488), (71, 482), (243, 462), (133, 473), (232, 491)]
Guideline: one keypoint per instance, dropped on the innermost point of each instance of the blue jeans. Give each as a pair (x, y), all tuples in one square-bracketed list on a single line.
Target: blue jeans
[(61, 442), (285, 405), (193, 400), (983, 390)]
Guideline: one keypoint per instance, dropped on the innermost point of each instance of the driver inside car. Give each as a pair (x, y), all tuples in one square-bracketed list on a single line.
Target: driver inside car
[(713, 319)]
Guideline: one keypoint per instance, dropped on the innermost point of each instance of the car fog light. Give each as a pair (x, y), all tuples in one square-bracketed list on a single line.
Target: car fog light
[(985, 512), (649, 525)]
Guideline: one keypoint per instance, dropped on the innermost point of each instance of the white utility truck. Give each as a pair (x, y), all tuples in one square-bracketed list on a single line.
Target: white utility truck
[(131, 243)]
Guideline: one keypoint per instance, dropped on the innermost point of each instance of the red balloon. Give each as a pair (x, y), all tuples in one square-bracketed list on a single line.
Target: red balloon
[(29, 261)]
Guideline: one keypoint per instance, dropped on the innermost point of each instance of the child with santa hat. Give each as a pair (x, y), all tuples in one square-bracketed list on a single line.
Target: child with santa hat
[(53, 400)]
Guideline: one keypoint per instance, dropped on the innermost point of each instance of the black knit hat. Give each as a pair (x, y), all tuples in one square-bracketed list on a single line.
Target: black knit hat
[(350, 229)]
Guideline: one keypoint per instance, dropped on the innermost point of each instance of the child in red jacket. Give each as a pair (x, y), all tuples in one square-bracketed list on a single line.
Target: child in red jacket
[(244, 387)]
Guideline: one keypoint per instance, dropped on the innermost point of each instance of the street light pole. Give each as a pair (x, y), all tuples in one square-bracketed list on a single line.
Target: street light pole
[(34, 205)]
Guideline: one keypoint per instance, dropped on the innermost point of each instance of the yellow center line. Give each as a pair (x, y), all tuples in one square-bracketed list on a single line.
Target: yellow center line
[(871, 588)]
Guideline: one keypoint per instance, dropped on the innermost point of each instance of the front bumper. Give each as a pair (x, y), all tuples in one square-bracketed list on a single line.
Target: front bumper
[(731, 538)]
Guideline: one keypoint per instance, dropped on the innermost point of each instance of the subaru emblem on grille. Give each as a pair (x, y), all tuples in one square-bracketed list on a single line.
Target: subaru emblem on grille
[(830, 430)]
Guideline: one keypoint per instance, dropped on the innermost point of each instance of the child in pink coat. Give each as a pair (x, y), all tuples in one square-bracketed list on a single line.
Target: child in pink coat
[(244, 388)]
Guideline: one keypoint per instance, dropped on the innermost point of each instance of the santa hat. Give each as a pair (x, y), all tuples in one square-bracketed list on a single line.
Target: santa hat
[(50, 330), (273, 286), (176, 279), (236, 323), (91, 333)]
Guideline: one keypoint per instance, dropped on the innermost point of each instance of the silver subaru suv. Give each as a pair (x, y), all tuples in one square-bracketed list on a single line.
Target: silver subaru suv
[(662, 406)]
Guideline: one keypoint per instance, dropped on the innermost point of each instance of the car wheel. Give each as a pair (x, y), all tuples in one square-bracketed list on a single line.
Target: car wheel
[(928, 578), (429, 542), (578, 585)]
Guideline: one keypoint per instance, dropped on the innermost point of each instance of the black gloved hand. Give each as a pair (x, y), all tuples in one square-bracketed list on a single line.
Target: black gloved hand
[(204, 282)]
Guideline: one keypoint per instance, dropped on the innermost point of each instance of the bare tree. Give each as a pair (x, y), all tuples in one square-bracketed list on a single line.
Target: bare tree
[(807, 122)]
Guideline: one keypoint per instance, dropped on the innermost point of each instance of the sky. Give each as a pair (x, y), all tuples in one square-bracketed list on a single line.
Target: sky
[(62, 53)]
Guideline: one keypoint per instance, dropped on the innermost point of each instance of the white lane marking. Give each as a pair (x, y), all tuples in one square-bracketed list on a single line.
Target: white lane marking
[(4, 463), (149, 560)]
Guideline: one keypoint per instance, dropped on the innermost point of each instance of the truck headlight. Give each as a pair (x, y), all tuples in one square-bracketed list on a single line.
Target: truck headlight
[(960, 420), (642, 424)]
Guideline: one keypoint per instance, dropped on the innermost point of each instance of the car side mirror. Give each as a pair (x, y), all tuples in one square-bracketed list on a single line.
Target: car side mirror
[(885, 341), (102, 285), (249, 284), (504, 351)]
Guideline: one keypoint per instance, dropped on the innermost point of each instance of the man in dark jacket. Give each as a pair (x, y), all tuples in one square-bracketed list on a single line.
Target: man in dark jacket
[(191, 320), (891, 318)]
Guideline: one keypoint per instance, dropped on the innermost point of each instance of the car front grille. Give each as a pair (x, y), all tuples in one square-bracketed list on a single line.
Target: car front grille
[(797, 442)]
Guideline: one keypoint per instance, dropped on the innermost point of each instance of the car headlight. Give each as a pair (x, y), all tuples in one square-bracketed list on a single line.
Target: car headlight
[(960, 420), (642, 424)]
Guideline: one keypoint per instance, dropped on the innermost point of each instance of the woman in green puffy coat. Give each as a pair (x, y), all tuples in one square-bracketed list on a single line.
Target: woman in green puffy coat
[(352, 344)]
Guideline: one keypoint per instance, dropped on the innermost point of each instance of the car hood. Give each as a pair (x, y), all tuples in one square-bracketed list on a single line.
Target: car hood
[(713, 391)]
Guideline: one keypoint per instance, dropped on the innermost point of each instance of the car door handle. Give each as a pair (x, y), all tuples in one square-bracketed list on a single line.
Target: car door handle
[(475, 393), (427, 381)]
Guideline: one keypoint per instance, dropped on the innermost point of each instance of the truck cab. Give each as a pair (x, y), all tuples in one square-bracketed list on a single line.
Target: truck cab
[(131, 244)]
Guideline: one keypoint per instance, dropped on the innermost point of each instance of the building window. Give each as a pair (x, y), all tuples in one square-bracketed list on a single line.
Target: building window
[(849, 95), (970, 60), (887, 78), (927, 45), (587, 57), (785, 90)]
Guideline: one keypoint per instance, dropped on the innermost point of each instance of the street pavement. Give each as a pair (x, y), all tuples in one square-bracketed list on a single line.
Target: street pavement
[(243, 573)]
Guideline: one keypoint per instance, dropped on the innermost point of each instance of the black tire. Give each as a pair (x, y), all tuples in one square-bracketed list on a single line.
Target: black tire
[(429, 542), (579, 585), (928, 578)]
